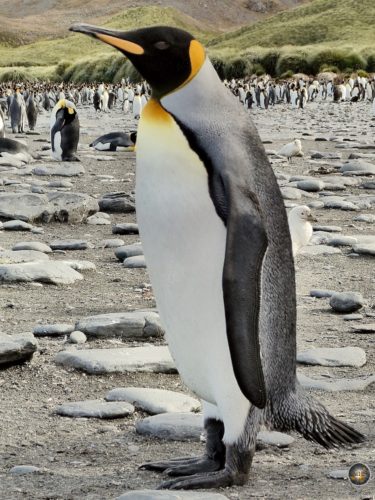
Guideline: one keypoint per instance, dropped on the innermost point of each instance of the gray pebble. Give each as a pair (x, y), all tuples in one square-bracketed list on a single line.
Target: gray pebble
[(17, 225), (95, 408), (346, 302), (112, 243), (77, 337), (32, 245), (126, 228), (319, 294), (53, 330), (334, 356), (126, 251), (70, 245), (24, 469), (137, 262)]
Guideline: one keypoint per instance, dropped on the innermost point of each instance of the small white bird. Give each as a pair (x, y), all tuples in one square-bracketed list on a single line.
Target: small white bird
[(291, 149), (301, 230)]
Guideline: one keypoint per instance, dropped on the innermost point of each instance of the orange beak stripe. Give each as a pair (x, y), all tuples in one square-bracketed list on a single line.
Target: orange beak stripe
[(125, 45)]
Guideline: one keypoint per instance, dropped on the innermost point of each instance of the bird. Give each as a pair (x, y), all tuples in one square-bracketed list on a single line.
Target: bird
[(203, 181), (299, 219), (291, 149), (114, 141), (64, 131)]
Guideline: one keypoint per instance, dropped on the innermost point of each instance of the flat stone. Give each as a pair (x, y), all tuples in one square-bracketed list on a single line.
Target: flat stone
[(95, 408), (336, 385), (77, 337), (320, 294), (32, 245), (70, 245), (53, 330), (55, 273), (18, 256), (24, 469), (365, 248), (154, 401), (169, 495), (15, 349), (172, 426), (273, 438), (97, 220), (315, 204), (17, 225), (369, 328), (117, 203), (120, 360), (80, 265), (27, 207), (135, 262), (368, 185), (72, 207), (336, 202), (327, 229), (123, 252), (369, 218), (125, 228), (358, 167), (352, 317), (314, 250), (112, 243), (290, 193), (338, 474), (335, 356), (310, 185), (326, 155), (341, 241), (63, 169), (346, 302), (60, 184), (135, 324)]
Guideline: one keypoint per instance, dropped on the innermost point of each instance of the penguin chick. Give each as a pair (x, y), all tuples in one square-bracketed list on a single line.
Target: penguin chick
[(300, 227), (291, 149)]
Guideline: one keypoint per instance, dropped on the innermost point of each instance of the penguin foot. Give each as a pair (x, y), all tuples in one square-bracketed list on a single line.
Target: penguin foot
[(219, 479), (185, 466)]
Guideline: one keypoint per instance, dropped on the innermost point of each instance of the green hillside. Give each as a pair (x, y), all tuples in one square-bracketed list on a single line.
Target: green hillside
[(48, 53)]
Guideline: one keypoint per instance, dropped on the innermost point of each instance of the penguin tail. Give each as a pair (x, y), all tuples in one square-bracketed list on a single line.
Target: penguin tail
[(304, 414)]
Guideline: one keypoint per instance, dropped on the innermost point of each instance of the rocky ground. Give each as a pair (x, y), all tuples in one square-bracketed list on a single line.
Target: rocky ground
[(97, 458)]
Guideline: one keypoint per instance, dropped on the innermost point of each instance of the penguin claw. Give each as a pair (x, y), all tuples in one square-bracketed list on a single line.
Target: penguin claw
[(219, 479), (162, 466)]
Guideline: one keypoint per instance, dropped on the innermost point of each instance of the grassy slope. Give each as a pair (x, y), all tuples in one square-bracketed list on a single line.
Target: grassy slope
[(73, 46), (325, 23)]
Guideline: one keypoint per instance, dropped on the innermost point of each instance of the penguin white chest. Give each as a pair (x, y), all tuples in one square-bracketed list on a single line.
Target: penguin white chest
[(184, 244)]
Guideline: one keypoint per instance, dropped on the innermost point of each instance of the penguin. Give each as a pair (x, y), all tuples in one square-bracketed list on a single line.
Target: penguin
[(203, 178), (2, 123), (31, 111), (114, 141), (12, 146), (97, 101), (299, 220), (64, 131), (17, 111)]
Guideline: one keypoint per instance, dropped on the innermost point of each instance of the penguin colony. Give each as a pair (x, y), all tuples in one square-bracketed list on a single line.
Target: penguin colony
[(199, 157)]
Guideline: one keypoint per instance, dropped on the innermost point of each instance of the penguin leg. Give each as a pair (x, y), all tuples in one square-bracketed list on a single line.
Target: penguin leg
[(239, 457), (212, 460)]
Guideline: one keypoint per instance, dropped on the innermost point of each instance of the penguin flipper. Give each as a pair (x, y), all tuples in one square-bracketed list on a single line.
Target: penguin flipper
[(245, 249)]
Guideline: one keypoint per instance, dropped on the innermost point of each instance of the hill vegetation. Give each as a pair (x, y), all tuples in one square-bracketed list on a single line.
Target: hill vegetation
[(317, 36)]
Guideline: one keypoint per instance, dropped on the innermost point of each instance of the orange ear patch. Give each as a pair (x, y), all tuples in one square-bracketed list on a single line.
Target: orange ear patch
[(125, 45), (197, 56)]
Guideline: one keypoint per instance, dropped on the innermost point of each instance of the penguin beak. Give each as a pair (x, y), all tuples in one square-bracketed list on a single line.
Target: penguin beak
[(117, 39), (311, 218)]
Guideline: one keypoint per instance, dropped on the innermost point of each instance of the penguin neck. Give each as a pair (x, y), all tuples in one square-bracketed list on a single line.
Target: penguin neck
[(196, 92)]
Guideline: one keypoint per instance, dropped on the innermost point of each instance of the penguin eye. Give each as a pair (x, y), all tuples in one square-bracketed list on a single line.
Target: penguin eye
[(162, 45)]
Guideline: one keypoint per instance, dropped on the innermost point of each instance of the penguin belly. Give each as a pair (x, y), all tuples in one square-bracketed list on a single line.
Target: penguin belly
[(57, 151), (184, 244)]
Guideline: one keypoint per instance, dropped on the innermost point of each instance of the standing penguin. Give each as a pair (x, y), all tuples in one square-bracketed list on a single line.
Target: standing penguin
[(203, 178), (2, 123), (31, 111), (17, 111), (64, 131)]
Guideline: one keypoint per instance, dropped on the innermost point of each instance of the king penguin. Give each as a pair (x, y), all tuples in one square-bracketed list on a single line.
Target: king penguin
[(203, 181), (64, 131)]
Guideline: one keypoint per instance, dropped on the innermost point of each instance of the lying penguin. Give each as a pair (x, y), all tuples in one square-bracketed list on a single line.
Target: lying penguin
[(64, 131), (114, 141), (16, 149)]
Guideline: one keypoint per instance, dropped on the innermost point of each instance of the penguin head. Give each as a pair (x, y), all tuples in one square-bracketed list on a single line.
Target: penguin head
[(168, 58), (65, 110)]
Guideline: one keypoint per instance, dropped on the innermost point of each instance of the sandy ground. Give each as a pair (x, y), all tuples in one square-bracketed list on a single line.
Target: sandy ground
[(96, 459)]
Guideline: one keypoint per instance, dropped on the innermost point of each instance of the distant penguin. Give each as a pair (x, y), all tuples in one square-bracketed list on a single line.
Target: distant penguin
[(114, 141), (300, 228), (291, 149), (64, 131), (137, 106), (31, 111), (104, 99), (17, 111), (2, 123), (97, 101)]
